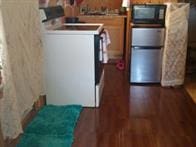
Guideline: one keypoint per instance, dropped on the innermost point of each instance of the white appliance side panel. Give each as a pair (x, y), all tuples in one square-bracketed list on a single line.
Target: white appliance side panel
[(99, 89), (69, 66)]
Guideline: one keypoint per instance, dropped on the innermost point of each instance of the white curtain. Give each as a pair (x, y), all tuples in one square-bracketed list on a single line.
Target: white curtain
[(22, 62), (174, 54)]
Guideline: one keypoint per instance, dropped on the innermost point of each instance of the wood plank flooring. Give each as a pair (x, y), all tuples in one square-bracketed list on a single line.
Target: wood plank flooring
[(190, 85), (137, 116)]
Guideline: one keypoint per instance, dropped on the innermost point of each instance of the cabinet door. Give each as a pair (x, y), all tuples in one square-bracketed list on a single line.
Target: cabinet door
[(152, 1), (115, 27), (115, 49)]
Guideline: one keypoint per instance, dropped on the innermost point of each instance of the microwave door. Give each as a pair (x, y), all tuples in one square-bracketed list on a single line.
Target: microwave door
[(144, 14), (148, 14)]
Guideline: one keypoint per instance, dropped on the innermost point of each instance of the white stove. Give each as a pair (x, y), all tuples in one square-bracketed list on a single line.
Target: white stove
[(71, 54)]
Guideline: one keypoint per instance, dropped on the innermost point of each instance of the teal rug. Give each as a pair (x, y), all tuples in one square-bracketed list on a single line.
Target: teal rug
[(53, 126)]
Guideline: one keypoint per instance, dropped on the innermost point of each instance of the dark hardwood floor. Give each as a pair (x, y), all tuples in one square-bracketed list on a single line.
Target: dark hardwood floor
[(137, 116)]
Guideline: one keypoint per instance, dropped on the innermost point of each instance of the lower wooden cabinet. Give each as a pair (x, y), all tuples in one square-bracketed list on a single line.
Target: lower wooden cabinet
[(116, 29)]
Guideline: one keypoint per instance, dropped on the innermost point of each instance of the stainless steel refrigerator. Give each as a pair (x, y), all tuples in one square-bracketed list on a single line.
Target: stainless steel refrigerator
[(146, 55), (147, 42)]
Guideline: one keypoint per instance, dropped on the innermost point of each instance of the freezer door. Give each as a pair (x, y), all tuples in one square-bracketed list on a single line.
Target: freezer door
[(148, 36), (145, 65)]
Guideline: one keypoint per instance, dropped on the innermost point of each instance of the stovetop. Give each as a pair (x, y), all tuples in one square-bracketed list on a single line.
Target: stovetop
[(76, 28), (79, 27)]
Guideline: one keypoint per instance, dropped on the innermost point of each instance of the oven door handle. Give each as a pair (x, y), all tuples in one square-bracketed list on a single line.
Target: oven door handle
[(101, 50)]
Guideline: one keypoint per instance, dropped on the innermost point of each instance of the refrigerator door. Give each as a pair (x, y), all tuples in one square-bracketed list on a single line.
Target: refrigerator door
[(146, 65), (148, 36)]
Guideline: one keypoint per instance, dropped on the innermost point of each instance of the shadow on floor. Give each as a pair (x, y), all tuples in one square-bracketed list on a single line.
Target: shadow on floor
[(190, 85)]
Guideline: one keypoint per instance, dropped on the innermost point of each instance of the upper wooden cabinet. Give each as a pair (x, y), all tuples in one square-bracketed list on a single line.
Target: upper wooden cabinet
[(152, 1), (112, 4), (115, 27)]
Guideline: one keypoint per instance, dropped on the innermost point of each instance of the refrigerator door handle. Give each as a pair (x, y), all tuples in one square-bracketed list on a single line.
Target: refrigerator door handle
[(146, 47)]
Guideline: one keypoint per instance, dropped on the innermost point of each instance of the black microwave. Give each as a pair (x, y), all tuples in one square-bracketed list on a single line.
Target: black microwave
[(148, 14)]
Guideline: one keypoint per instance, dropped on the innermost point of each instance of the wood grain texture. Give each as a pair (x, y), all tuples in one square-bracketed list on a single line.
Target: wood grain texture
[(1, 137), (190, 85), (152, 1), (116, 4), (137, 116), (112, 4), (127, 49), (115, 27)]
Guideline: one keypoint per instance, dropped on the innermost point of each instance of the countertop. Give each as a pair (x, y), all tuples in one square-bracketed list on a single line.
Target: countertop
[(103, 16)]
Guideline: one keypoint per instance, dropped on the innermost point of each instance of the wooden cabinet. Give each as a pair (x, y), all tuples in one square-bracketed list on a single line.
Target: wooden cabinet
[(152, 1), (115, 27), (113, 4), (1, 138)]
